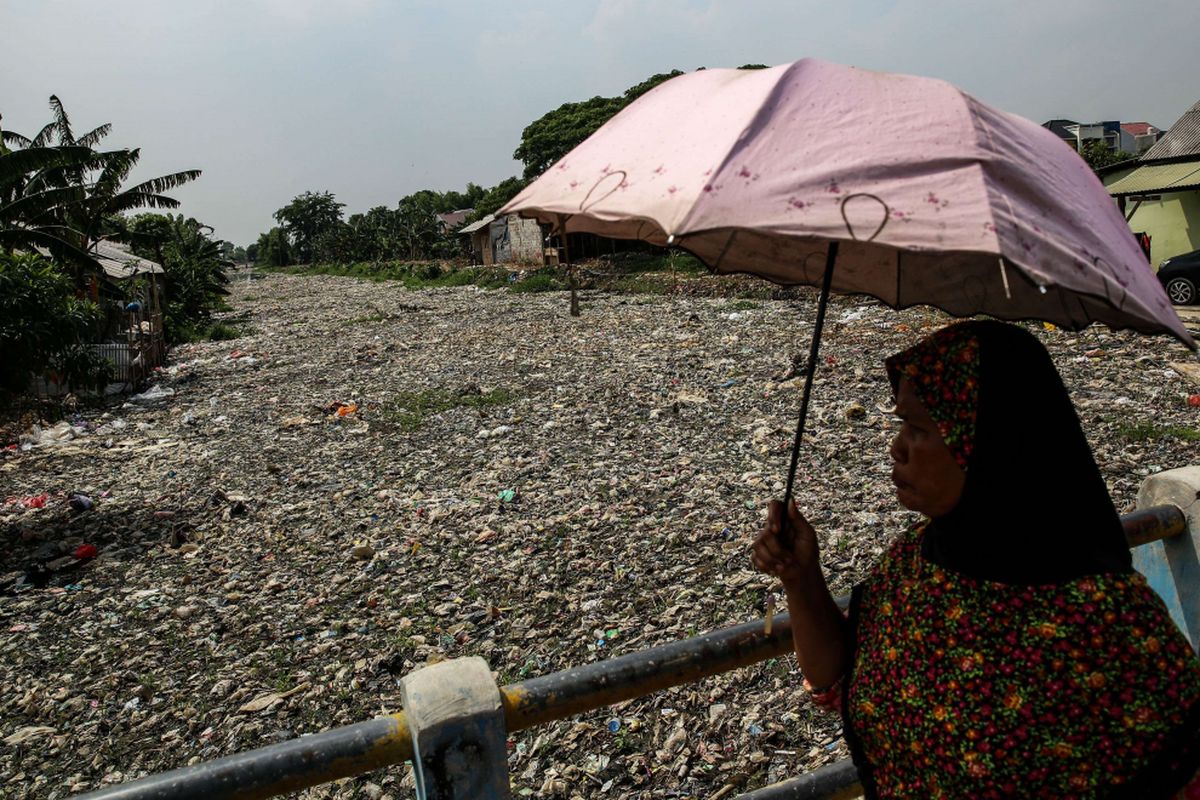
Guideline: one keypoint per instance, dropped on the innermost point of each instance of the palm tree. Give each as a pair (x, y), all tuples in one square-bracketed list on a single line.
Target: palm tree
[(33, 209), (57, 191)]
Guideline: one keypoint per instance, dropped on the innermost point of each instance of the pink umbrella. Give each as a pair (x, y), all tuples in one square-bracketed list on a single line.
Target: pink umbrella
[(919, 192)]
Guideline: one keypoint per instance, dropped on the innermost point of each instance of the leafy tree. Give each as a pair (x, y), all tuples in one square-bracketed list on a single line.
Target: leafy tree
[(550, 137), (32, 211), (252, 253), (456, 201), (194, 270), (380, 232), (306, 219), (342, 244), (1097, 155), (553, 135), (498, 195), (639, 89), (273, 249), (417, 223), (44, 326)]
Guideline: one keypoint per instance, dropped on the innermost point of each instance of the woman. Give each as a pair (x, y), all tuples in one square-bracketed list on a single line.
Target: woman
[(1004, 646)]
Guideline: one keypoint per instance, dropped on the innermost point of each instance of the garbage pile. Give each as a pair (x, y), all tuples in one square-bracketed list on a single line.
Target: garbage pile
[(265, 540)]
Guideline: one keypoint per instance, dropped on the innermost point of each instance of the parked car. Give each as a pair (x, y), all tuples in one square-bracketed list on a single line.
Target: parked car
[(1180, 276)]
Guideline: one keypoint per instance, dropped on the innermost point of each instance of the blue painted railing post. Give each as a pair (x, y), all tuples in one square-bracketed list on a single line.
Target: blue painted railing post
[(458, 732), (1172, 566)]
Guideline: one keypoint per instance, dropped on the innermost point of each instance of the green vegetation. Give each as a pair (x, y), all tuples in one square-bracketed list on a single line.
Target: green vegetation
[(60, 196), (412, 275), (195, 272), (433, 275), (376, 317), (1146, 431), (44, 327), (554, 134), (312, 231), (410, 410), (656, 261), (221, 331), (541, 281), (645, 274), (1097, 155), (60, 193), (307, 220), (654, 283)]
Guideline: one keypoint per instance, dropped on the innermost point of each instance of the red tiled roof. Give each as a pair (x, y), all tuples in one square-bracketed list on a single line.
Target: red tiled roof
[(1136, 128)]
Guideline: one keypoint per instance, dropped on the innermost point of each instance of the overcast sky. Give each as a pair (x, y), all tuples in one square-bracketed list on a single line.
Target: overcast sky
[(373, 100)]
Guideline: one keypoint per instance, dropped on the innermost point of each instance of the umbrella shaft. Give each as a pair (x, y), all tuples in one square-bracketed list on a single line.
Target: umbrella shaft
[(810, 371)]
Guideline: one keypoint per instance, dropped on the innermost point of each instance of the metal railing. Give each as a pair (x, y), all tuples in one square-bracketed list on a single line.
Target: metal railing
[(356, 749)]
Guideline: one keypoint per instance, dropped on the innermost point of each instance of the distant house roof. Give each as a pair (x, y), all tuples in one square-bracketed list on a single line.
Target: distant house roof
[(1059, 127), (119, 263), (1183, 139), (1153, 178), (1137, 128), (474, 226), (116, 260), (452, 219)]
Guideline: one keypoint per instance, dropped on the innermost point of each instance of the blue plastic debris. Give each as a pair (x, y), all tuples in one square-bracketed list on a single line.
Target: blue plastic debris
[(614, 725)]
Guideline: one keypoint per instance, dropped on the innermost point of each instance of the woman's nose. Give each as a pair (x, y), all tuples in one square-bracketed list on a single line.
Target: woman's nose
[(896, 451)]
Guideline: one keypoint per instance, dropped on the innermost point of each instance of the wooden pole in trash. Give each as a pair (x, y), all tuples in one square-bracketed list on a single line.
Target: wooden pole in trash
[(562, 231)]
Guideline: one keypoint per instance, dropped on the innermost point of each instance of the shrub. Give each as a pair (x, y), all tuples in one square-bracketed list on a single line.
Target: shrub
[(45, 327), (539, 282)]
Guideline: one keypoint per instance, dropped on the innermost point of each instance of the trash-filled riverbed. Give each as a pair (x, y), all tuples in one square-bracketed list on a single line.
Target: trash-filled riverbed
[(261, 543)]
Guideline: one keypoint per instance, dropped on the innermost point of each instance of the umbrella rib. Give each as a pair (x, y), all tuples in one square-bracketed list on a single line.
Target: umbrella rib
[(728, 243)]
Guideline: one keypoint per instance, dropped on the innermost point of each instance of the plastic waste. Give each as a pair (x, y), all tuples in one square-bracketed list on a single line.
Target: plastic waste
[(38, 436), (85, 551), (80, 503), (32, 501), (154, 394), (340, 408)]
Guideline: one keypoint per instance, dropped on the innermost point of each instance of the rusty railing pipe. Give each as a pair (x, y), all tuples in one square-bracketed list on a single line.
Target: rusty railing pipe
[(366, 746)]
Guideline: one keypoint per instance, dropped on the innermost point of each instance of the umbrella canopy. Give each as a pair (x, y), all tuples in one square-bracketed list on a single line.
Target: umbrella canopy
[(934, 197)]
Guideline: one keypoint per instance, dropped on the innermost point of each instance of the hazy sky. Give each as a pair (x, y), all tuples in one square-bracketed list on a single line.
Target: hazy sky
[(372, 100)]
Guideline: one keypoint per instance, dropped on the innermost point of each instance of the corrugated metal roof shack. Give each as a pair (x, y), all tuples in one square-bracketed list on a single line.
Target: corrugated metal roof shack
[(129, 292), (134, 340), (506, 240), (1160, 192)]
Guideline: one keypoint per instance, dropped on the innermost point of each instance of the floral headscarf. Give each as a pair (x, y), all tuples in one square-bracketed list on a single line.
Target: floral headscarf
[(944, 373)]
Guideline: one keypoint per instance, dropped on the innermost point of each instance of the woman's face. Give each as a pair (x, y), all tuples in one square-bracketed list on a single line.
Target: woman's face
[(928, 479)]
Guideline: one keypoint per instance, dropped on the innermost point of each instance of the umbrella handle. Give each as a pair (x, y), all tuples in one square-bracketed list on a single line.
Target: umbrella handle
[(814, 348)]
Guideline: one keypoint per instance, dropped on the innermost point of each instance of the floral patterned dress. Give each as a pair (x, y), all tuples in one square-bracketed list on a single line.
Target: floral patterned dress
[(967, 688)]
